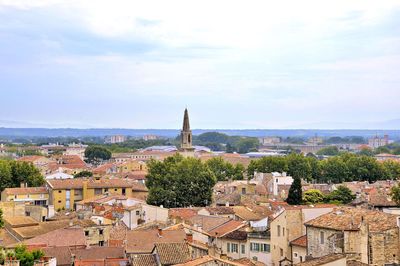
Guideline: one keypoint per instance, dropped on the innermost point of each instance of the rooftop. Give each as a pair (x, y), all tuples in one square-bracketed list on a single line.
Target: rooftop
[(77, 183), (172, 253), (348, 219), (25, 190)]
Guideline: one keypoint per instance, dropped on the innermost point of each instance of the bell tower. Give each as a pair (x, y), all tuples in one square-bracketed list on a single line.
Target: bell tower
[(186, 134)]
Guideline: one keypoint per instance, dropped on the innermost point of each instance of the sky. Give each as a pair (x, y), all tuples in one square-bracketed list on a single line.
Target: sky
[(233, 64)]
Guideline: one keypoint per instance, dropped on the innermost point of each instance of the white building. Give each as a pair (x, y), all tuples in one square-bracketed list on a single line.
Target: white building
[(59, 175)]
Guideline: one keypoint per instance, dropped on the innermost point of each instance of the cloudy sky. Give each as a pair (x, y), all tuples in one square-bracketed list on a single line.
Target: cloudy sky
[(234, 64)]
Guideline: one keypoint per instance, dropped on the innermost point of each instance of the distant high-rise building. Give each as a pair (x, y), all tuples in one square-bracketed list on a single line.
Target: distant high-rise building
[(186, 134), (117, 139)]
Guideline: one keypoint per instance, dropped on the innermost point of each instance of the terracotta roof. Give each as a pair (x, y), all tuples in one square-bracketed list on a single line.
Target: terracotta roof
[(322, 260), (348, 218), (144, 260), (144, 241), (249, 262), (60, 238), (172, 253), (31, 158), (221, 210), (139, 187), (62, 254), (103, 168), (226, 228), (210, 260), (231, 198), (206, 222), (135, 175), (246, 213), (77, 183), (102, 262), (20, 221), (26, 190), (183, 213), (301, 241), (98, 253), (6, 239)]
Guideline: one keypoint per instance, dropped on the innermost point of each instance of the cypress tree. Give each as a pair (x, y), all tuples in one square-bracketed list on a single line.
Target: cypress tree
[(295, 193)]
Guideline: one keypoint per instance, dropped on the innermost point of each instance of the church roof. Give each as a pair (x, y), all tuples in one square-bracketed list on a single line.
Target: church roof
[(186, 125)]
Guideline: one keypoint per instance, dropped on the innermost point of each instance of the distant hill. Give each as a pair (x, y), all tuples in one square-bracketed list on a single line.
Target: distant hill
[(102, 132)]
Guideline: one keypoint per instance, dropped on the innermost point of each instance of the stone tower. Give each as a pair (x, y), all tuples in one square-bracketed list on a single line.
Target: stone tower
[(186, 134)]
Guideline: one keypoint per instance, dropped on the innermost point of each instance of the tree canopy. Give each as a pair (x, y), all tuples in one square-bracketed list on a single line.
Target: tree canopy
[(224, 170), (330, 151), (95, 154), (84, 173), (179, 182), (295, 196), (13, 173)]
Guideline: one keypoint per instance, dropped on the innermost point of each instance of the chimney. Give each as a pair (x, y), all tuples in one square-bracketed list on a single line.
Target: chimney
[(189, 237), (224, 256), (159, 232)]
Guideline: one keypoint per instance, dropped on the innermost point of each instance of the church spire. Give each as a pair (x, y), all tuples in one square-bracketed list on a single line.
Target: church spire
[(186, 125), (186, 133)]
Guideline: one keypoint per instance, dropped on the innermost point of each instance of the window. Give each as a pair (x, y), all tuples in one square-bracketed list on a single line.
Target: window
[(228, 247), (27, 196), (243, 190), (27, 213), (59, 191), (281, 252), (254, 247), (243, 250), (86, 233), (115, 189), (279, 230), (283, 231), (234, 248), (15, 196), (106, 190), (265, 248), (301, 258), (322, 237), (59, 201), (100, 231), (97, 191), (295, 254), (101, 243), (137, 212), (123, 191)]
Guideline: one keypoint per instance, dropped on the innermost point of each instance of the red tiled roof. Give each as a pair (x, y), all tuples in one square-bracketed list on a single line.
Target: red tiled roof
[(226, 228), (183, 213), (91, 183), (301, 241), (60, 238), (26, 190)]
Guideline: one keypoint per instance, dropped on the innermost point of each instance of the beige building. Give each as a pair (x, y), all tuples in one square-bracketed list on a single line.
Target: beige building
[(29, 195), (367, 236), (288, 225)]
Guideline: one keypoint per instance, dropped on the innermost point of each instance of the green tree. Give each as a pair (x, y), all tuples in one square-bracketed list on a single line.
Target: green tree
[(366, 152), (222, 170), (1, 218), (84, 173), (24, 172), (392, 169), (295, 193), (341, 194), (238, 172), (382, 149), (6, 178), (313, 196), (246, 145), (267, 165), (334, 170), (95, 154), (179, 182), (25, 257), (395, 194), (330, 151), (299, 166), (365, 168), (213, 137), (315, 165)]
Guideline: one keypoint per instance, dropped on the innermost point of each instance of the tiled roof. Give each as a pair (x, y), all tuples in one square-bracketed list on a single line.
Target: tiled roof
[(20, 221), (226, 228), (6, 239), (246, 213), (143, 241), (231, 198), (139, 187), (249, 262), (322, 260), (144, 260), (60, 238), (183, 213), (25, 190), (210, 260), (62, 254), (172, 253), (301, 241), (222, 210), (77, 183), (348, 218), (98, 253), (31, 158), (206, 222)]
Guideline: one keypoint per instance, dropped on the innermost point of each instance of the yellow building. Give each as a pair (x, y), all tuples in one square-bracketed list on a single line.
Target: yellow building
[(131, 166), (31, 195), (64, 193)]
